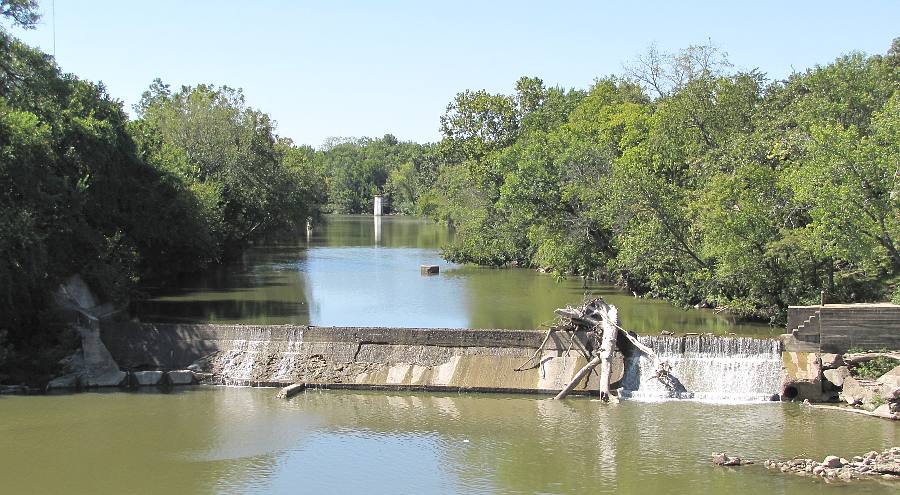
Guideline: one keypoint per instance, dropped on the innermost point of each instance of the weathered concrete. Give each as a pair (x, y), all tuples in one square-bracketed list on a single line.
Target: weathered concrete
[(835, 328), (180, 377), (802, 376), (290, 391), (147, 378), (92, 365), (355, 357)]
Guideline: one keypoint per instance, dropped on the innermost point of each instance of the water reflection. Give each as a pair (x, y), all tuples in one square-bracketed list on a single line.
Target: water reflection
[(364, 270), (215, 440)]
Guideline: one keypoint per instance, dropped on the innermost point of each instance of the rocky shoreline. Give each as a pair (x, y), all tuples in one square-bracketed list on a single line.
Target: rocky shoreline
[(881, 465), (884, 465)]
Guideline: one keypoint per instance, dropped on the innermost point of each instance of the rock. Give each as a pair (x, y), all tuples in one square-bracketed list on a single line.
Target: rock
[(891, 379), (147, 378), (845, 474), (180, 377), (884, 411), (837, 375), (721, 459), (859, 391), (818, 470), (429, 269), (832, 462), (831, 361), (887, 468)]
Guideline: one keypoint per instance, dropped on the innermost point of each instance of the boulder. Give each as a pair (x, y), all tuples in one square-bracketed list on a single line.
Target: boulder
[(837, 375), (721, 459), (831, 361), (891, 379), (147, 378), (859, 391), (180, 377), (884, 411), (832, 462)]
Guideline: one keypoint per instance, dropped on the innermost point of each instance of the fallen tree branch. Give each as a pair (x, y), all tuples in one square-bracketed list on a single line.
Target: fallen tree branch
[(536, 352)]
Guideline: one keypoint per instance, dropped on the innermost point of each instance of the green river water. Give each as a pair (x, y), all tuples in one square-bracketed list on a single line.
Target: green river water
[(242, 440), (362, 271), (212, 440)]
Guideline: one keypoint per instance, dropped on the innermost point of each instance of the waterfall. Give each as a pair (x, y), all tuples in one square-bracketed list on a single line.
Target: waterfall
[(261, 358), (716, 369)]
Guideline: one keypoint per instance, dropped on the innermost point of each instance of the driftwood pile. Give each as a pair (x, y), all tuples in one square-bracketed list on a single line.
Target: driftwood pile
[(600, 322)]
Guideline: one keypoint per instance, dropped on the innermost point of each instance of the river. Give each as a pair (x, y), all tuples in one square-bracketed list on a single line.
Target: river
[(364, 271), (354, 271), (241, 440)]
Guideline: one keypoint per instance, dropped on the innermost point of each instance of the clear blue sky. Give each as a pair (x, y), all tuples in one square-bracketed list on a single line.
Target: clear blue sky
[(332, 68)]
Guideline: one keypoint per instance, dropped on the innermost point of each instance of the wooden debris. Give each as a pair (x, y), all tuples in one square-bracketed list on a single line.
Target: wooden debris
[(863, 357)]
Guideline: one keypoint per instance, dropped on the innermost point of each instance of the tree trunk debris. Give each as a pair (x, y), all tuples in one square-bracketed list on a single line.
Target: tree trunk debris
[(600, 321)]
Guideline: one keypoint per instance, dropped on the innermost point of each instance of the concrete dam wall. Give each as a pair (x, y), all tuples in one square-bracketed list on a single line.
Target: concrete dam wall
[(354, 357)]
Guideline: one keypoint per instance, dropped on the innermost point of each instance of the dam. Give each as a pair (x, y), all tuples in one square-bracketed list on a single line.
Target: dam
[(440, 359)]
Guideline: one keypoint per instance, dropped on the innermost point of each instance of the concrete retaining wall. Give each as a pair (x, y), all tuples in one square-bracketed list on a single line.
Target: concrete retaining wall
[(355, 357), (835, 328)]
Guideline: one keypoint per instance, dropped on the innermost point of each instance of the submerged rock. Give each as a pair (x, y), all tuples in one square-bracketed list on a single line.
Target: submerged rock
[(722, 459)]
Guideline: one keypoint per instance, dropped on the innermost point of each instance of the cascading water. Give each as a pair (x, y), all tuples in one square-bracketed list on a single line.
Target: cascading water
[(260, 358), (288, 360), (718, 369)]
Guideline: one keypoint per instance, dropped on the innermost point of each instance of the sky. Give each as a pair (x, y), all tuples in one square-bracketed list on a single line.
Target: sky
[(351, 68)]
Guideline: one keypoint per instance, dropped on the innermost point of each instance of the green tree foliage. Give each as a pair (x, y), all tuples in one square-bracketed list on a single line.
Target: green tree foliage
[(228, 157), (83, 190), (358, 169), (686, 180)]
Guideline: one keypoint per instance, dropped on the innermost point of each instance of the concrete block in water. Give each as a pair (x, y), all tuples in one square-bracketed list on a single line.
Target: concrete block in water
[(290, 391), (147, 378), (181, 377), (802, 376), (430, 269)]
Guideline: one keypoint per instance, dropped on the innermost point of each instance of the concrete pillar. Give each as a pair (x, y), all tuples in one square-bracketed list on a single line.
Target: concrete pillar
[(378, 207)]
